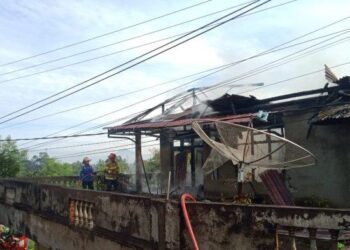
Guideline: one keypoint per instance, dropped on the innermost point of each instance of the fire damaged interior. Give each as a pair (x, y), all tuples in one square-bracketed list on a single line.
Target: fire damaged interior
[(304, 117)]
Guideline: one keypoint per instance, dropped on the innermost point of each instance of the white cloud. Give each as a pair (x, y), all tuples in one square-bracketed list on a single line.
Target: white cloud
[(31, 27)]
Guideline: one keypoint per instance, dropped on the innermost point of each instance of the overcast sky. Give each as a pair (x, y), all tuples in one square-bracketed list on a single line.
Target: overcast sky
[(31, 27)]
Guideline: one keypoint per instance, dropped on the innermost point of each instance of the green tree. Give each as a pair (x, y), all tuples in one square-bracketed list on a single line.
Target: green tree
[(11, 158), (76, 166), (122, 163), (53, 168), (33, 166), (100, 165), (44, 165), (152, 165)]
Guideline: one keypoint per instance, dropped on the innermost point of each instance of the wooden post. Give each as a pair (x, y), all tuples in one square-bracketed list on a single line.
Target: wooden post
[(334, 236), (138, 161), (312, 236), (193, 164), (291, 232), (277, 241), (166, 158), (207, 178)]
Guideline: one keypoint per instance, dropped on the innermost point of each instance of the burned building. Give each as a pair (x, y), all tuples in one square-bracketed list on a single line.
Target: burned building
[(316, 120), (55, 212)]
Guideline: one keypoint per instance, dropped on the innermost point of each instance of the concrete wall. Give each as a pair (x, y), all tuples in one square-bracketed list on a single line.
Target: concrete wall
[(330, 179), (52, 235), (238, 227), (134, 222), (131, 221)]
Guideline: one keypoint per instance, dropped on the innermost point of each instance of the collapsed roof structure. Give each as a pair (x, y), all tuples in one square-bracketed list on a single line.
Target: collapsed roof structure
[(331, 101), (182, 152)]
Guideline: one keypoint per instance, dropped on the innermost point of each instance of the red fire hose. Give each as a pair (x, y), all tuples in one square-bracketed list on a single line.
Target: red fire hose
[(185, 197)]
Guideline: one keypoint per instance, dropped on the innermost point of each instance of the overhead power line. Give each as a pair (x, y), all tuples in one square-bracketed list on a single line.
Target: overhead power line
[(95, 153), (234, 79), (113, 140), (293, 78), (134, 59), (119, 42), (251, 73), (282, 61), (108, 148), (76, 145), (105, 34), (115, 120), (103, 133), (53, 137), (237, 78), (274, 48), (217, 69), (285, 80)]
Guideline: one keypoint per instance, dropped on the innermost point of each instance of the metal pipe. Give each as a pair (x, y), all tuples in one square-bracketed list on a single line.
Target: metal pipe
[(169, 182)]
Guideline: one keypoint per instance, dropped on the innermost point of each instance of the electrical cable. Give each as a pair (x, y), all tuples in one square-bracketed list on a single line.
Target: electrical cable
[(97, 152), (53, 137), (93, 153), (296, 77), (320, 28), (152, 97), (299, 76), (104, 149), (293, 78), (273, 64), (64, 66), (324, 27), (105, 34), (76, 145), (119, 42), (221, 68), (245, 75), (134, 59), (117, 52), (83, 131), (318, 71)]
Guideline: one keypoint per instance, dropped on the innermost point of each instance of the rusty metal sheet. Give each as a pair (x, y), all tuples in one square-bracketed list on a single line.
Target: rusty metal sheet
[(183, 122)]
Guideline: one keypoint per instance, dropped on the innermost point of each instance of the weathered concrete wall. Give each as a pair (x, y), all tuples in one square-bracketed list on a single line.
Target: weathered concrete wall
[(52, 235), (330, 178), (134, 222), (228, 226)]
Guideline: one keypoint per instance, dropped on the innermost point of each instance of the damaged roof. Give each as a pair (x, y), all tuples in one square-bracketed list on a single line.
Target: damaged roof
[(333, 114), (149, 125), (330, 103)]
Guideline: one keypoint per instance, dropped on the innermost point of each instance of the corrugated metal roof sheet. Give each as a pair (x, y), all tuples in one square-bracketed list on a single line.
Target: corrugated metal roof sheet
[(337, 112), (177, 123)]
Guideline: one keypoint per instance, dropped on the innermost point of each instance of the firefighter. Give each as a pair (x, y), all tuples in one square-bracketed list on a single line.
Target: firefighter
[(86, 174), (111, 172)]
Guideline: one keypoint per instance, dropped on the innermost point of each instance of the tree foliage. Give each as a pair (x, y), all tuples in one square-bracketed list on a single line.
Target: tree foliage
[(44, 165), (152, 165), (122, 163), (11, 159), (76, 166), (15, 162)]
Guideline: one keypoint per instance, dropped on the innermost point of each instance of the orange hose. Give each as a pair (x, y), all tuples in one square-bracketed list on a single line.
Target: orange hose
[(185, 197)]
